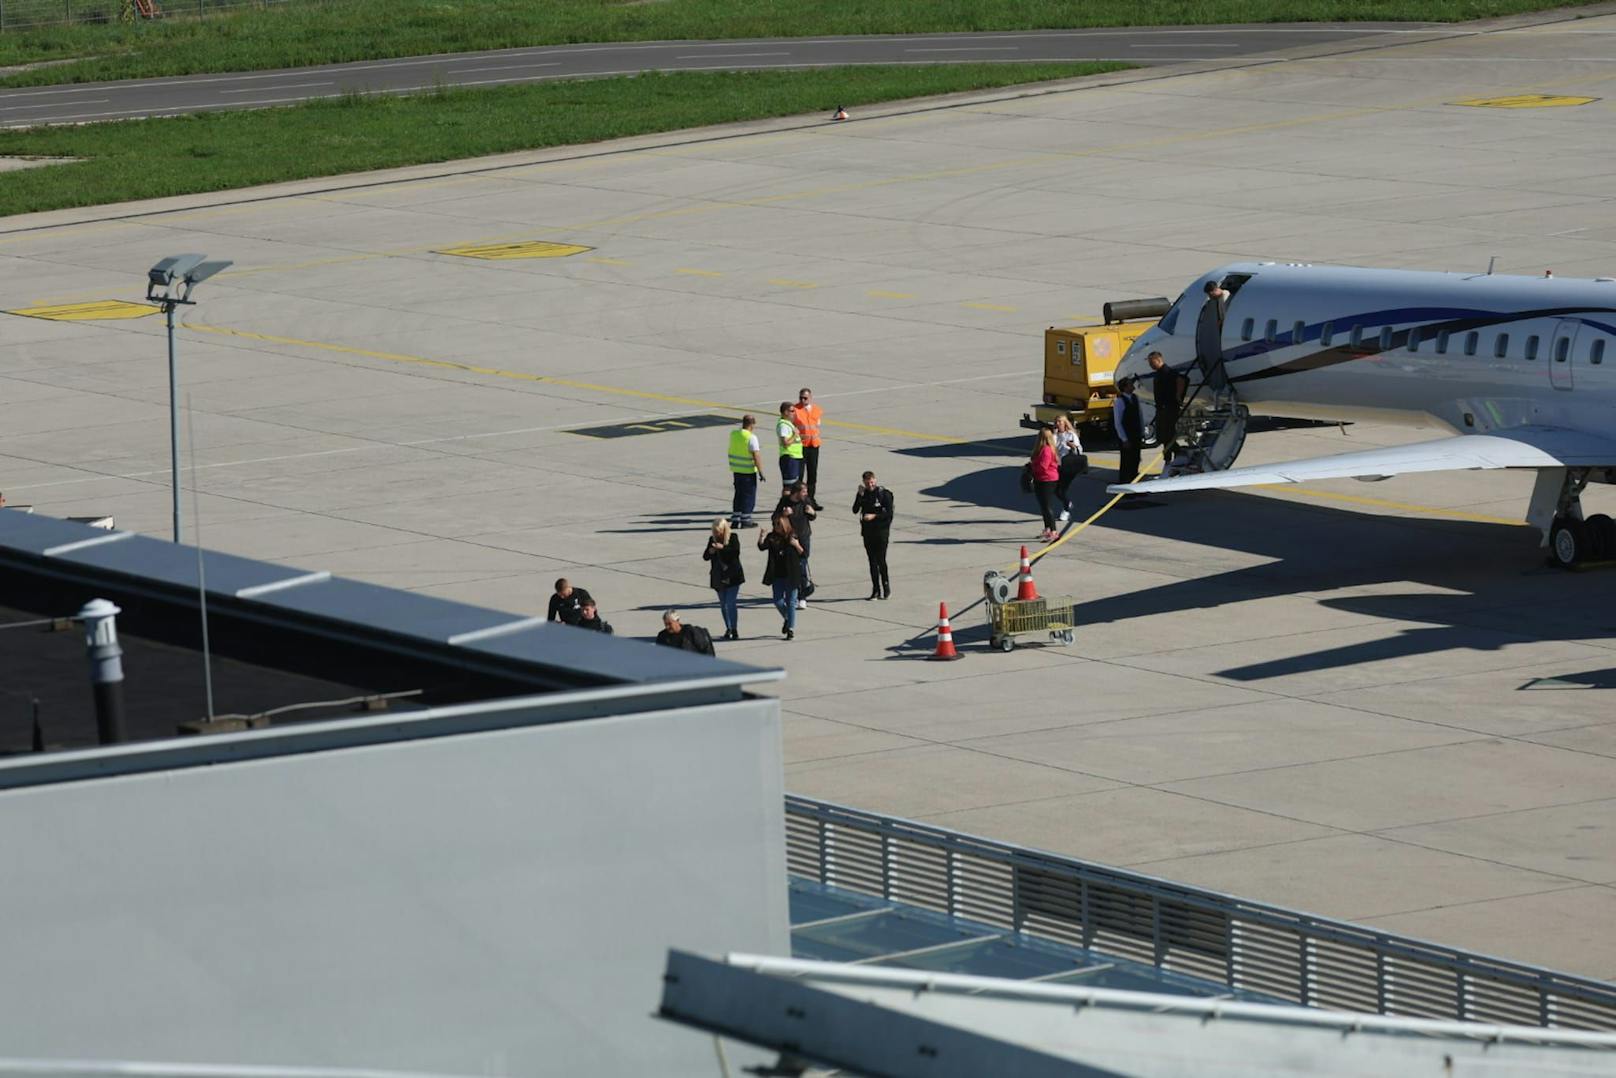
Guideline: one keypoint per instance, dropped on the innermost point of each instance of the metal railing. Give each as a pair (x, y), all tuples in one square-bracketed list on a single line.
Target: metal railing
[(1281, 953)]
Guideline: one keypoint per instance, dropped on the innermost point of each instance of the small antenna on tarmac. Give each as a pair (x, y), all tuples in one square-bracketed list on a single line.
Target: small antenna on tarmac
[(1491, 262), (201, 573)]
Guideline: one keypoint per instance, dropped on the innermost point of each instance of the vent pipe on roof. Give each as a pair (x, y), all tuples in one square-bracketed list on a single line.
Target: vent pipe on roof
[(106, 668)]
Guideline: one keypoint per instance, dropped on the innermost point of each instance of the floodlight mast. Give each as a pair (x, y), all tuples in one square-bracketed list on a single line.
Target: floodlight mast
[(169, 285)]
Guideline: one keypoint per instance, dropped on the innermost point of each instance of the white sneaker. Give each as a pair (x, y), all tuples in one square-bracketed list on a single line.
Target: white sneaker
[(802, 604), (1066, 515)]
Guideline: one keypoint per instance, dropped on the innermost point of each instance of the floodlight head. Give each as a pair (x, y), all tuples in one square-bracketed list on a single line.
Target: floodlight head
[(201, 272), (174, 268)]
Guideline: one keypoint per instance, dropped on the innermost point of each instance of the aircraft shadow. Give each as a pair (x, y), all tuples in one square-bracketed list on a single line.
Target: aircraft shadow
[(1472, 585)]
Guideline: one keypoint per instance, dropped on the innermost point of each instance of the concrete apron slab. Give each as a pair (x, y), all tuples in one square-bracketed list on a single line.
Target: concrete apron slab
[(1380, 707)]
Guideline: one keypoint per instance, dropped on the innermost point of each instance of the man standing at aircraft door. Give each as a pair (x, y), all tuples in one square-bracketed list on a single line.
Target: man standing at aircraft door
[(1209, 327), (1167, 387), (807, 416), (1130, 428), (746, 469)]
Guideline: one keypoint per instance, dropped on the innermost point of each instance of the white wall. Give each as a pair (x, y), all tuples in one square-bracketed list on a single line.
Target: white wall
[(495, 903)]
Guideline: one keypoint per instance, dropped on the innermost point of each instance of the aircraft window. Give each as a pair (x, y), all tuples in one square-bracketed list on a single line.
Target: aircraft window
[(1386, 336), (1298, 331), (1246, 328), (1562, 349), (1273, 330), (1501, 346), (1414, 338), (1442, 343), (1596, 354), (1531, 347), (1326, 334), (1170, 320), (1472, 339), (1356, 339)]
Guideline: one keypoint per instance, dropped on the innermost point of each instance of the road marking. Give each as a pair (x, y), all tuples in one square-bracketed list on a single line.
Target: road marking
[(990, 307), (501, 67), (973, 48), (785, 283), (609, 261), (1526, 101), (545, 379), (504, 252), (730, 55), (95, 311), (878, 294), (288, 86), (652, 426), (688, 272)]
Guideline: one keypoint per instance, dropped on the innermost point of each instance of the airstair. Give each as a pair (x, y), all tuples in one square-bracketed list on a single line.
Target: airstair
[(1211, 422)]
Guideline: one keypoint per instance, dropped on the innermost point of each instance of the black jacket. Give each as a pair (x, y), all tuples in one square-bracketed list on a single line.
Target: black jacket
[(785, 561), (689, 637), (877, 501), (597, 623), (567, 610), (724, 565), (1133, 426)]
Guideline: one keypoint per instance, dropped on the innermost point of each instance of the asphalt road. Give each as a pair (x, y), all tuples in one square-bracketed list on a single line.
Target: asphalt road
[(89, 102)]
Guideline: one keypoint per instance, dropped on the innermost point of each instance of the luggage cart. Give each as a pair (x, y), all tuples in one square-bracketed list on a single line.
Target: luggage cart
[(1009, 617)]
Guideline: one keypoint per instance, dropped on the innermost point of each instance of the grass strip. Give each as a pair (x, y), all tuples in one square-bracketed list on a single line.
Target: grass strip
[(306, 32), (141, 159)]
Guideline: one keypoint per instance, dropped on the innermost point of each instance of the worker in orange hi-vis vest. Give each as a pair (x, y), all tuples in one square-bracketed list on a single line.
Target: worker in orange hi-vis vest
[(808, 416)]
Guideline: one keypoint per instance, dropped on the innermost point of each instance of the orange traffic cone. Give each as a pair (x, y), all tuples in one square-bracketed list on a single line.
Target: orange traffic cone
[(945, 635), (1028, 590), (841, 113)]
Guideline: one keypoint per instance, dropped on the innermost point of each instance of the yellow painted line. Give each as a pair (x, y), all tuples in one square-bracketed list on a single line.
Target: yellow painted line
[(609, 261), (688, 272), (1382, 503), (878, 294), (1526, 101), (784, 283), (990, 307), (504, 252), (94, 311), (545, 379)]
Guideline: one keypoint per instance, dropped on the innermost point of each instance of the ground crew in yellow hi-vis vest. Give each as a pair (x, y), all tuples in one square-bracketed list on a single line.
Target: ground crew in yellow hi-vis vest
[(746, 468), (790, 438)]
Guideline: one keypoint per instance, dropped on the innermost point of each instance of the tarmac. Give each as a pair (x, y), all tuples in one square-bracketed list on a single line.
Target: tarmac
[(1371, 702)]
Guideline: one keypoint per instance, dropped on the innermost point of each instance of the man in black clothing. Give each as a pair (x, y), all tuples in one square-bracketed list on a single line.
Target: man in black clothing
[(689, 637), (589, 618), (1209, 326), (1167, 386), (873, 506), (566, 605), (1130, 429)]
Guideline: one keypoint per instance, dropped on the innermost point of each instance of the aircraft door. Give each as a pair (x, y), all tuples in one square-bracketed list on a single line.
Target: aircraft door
[(1562, 349)]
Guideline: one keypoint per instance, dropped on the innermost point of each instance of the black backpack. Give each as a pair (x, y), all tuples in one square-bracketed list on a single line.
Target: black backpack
[(701, 641)]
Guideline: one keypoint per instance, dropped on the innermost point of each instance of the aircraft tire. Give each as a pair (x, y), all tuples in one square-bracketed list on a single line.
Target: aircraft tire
[(1601, 537), (1568, 542)]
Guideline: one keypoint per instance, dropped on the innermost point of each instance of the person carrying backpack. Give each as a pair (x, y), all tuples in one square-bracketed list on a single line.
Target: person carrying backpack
[(690, 637)]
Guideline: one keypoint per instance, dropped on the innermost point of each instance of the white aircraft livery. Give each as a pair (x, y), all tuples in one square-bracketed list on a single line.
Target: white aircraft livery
[(1522, 370)]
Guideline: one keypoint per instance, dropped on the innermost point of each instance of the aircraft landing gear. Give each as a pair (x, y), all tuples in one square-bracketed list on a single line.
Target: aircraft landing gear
[(1556, 509), (1569, 542)]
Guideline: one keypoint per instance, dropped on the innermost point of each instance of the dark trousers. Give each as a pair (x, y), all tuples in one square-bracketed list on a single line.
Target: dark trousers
[(875, 549), (1128, 467), (1167, 431), (745, 496), (810, 464), (1070, 468), (790, 470), (1045, 489)]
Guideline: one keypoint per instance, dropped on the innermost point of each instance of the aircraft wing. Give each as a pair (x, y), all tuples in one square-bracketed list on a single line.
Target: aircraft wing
[(1519, 447)]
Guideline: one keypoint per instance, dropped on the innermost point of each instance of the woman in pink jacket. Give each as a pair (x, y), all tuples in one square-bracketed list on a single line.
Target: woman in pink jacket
[(1045, 475)]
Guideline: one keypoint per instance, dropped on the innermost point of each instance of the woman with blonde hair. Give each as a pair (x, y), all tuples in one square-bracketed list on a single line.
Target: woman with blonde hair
[(1069, 457), (1045, 467), (725, 575)]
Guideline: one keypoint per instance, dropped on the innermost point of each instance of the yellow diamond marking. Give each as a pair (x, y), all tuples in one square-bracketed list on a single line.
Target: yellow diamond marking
[(1526, 101), (97, 311), (500, 252)]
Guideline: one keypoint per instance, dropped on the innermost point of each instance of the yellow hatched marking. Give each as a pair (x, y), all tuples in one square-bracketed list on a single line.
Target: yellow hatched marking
[(878, 294), (501, 252), (1526, 101), (990, 307), (784, 283), (96, 311), (688, 272)]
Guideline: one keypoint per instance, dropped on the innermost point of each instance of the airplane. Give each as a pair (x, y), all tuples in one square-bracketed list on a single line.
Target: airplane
[(1521, 370)]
